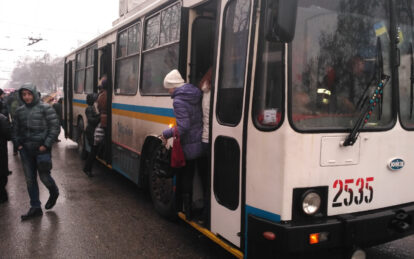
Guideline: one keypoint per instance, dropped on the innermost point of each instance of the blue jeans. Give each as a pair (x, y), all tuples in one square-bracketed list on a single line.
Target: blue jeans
[(33, 162)]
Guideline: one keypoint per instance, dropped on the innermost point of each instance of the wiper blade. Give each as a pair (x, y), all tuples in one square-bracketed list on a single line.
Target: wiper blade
[(366, 113)]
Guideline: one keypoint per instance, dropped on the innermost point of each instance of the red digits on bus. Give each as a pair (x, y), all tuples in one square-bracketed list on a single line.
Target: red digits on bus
[(350, 191), (360, 183), (371, 190), (335, 203), (358, 199)]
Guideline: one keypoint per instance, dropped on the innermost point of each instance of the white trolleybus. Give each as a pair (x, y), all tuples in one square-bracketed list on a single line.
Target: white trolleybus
[(311, 122)]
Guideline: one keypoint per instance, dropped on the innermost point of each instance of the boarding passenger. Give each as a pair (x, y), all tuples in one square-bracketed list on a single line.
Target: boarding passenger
[(188, 114), (204, 161), (35, 129), (58, 109), (102, 100), (100, 130), (5, 135), (93, 120)]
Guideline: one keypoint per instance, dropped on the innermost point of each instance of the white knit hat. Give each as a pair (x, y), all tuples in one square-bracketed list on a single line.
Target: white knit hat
[(173, 79)]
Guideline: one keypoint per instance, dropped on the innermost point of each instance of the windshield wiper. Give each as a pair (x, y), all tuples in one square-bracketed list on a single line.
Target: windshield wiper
[(367, 111), (367, 105)]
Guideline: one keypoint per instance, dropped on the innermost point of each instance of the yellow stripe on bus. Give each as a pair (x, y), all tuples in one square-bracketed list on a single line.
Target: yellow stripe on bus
[(83, 105), (145, 116), (237, 253)]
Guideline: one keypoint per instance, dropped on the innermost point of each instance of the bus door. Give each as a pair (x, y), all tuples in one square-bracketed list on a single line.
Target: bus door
[(202, 47), (203, 33), (228, 129), (68, 100), (105, 67)]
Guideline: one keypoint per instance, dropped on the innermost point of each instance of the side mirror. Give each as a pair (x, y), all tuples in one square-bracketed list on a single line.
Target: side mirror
[(280, 20)]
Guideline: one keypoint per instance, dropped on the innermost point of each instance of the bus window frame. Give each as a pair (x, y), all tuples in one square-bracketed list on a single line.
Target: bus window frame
[(131, 56), (77, 71), (402, 121), (221, 67), (90, 50), (84, 51), (261, 41), (158, 46)]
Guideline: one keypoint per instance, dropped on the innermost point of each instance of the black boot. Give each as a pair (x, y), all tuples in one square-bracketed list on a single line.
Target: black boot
[(187, 206), (52, 200), (88, 172), (32, 213), (3, 195)]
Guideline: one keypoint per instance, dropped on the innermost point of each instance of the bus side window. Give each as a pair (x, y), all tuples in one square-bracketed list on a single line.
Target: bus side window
[(127, 62), (269, 81), (161, 48)]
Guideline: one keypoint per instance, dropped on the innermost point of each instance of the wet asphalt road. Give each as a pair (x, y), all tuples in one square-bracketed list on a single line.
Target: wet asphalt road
[(107, 217)]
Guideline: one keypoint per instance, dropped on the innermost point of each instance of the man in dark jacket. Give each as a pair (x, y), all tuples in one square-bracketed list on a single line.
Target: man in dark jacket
[(3, 110), (5, 134), (35, 128)]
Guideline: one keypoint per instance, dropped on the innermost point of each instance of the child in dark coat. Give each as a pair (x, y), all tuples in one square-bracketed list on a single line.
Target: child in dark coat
[(93, 119)]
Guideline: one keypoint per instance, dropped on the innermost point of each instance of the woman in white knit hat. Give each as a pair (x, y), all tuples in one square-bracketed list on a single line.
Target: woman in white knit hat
[(189, 120)]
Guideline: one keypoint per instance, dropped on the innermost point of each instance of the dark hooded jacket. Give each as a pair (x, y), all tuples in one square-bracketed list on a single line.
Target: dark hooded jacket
[(189, 118), (5, 134), (36, 123), (92, 116)]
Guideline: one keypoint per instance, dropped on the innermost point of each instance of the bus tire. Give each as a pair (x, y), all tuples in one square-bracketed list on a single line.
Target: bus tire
[(161, 188), (81, 140)]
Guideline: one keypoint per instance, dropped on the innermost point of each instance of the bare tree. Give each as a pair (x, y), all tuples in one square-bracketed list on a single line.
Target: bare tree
[(46, 73)]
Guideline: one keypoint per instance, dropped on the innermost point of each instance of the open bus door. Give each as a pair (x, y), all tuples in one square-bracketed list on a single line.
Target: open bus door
[(228, 127), (203, 33), (68, 101), (105, 67)]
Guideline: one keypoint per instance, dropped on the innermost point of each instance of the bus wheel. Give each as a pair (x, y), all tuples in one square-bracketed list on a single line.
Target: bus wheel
[(161, 186), (81, 141)]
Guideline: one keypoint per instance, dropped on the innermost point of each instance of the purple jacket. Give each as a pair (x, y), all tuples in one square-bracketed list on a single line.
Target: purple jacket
[(189, 117)]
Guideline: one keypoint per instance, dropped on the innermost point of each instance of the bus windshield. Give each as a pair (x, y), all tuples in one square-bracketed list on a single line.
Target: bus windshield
[(339, 51), (405, 23)]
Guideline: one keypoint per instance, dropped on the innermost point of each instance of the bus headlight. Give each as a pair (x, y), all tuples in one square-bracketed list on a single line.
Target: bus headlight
[(311, 203)]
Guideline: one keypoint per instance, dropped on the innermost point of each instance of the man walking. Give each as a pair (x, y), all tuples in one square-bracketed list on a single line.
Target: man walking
[(36, 127)]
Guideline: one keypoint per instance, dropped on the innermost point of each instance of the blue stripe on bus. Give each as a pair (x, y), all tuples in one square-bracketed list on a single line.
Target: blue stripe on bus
[(79, 101), (167, 112), (262, 214), (259, 213)]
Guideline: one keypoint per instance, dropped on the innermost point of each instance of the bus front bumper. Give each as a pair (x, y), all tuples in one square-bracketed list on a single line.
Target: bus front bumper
[(337, 232)]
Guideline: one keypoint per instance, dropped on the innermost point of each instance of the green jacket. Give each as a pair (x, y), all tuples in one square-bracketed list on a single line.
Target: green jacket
[(36, 123)]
